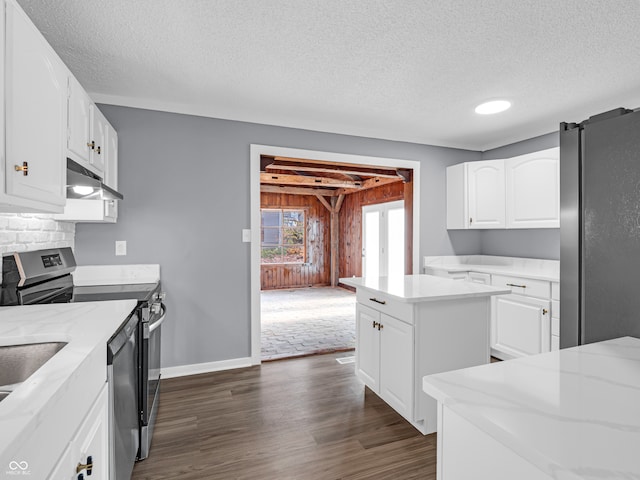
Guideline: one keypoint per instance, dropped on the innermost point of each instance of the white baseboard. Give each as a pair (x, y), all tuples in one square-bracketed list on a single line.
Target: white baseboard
[(196, 368)]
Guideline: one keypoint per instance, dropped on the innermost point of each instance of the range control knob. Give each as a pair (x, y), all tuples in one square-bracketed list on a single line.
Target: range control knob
[(156, 308), (160, 296)]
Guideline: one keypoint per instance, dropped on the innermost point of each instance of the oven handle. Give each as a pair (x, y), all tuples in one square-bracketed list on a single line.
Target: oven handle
[(158, 322)]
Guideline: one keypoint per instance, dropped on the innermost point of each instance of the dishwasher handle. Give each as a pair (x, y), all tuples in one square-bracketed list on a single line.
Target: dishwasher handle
[(158, 322)]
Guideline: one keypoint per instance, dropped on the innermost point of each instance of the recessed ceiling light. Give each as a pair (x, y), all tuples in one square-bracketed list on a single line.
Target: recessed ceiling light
[(495, 106)]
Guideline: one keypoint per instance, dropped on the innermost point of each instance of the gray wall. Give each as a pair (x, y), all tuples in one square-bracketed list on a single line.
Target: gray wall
[(534, 243), (185, 180)]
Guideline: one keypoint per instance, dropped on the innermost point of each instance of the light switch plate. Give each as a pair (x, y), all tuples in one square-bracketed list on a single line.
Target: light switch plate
[(246, 235), (121, 247)]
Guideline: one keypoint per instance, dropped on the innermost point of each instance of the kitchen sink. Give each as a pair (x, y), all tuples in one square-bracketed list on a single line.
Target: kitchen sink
[(19, 362)]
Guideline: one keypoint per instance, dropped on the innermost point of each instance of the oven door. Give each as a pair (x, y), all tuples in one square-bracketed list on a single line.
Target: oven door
[(150, 375)]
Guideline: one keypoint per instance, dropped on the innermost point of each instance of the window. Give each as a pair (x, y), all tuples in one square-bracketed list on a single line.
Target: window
[(282, 236)]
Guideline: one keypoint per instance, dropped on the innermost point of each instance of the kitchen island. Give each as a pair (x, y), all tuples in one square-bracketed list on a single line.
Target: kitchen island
[(415, 325), (570, 414)]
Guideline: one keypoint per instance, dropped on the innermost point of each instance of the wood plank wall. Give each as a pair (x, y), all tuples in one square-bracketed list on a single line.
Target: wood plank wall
[(350, 245), (316, 272)]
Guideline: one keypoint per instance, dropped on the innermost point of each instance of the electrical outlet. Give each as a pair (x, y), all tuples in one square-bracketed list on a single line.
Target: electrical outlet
[(246, 235), (121, 247)]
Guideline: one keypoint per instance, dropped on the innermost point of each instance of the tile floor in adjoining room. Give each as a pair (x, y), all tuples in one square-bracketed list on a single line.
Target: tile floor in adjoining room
[(306, 321)]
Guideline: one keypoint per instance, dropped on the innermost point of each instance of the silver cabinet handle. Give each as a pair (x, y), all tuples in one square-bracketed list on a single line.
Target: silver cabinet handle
[(381, 302), (158, 322), (514, 285)]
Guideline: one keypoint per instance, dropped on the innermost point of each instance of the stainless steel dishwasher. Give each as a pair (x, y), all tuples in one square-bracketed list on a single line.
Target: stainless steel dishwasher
[(122, 376)]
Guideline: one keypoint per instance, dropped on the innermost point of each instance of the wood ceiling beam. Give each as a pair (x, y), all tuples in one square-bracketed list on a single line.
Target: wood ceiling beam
[(367, 184), (328, 163), (325, 192), (328, 169), (324, 202), (310, 181)]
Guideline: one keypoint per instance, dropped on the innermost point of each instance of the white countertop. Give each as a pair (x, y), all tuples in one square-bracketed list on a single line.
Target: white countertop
[(573, 413), (423, 288), (86, 327), (534, 268)]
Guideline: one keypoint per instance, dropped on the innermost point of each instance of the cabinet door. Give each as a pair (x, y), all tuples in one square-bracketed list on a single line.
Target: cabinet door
[(99, 137), (396, 364), (486, 194), (533, 190), (79, 122), (367, 346), (111, 172), (520, 325), (93, 439), (35, 103)]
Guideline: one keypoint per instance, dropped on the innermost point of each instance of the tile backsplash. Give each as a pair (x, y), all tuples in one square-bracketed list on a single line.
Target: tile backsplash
[(34, 231)]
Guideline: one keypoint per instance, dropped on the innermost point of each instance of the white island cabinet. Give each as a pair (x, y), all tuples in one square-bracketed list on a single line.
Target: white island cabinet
[(570, 414), (415, 325)]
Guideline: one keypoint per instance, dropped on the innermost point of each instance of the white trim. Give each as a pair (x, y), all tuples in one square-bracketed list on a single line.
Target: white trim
[(254, 189), (197, 368)]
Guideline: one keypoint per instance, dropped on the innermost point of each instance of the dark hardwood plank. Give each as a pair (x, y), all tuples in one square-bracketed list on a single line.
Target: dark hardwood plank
[(307, 418)]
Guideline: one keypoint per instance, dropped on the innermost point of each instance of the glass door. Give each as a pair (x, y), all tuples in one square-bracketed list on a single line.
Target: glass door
[(383, 239)]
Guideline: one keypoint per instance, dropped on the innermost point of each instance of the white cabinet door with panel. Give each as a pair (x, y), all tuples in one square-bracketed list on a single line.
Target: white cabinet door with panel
[(99, 127), (367, 346), (79, 124), (88, 451), (475, 195), (34, 120), (520, 326), (396, 364), (486, 194), (533, 190)]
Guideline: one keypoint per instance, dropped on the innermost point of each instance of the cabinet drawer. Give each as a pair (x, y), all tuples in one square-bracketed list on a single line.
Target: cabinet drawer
[(555, 309), (479, 277), (523, 286), (386, 304), (555, 291)]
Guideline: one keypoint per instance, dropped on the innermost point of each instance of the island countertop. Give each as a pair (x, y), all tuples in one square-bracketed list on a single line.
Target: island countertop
[(423, 288), (573, 413)]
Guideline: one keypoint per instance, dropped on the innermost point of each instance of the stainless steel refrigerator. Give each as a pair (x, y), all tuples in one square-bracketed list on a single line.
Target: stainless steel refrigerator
[(600, 228)]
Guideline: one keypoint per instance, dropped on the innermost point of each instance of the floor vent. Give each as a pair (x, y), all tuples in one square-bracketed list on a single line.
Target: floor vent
[(345, 360)]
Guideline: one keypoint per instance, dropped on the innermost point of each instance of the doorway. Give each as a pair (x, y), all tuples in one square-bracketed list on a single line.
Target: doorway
[(334, 205), (383, 239)]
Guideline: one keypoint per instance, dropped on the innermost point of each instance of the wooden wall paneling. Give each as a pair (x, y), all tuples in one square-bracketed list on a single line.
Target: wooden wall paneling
[(316, 272), (350, 224)]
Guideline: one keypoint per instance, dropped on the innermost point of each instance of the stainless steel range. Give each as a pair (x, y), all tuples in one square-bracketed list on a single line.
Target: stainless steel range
[(44, 276)]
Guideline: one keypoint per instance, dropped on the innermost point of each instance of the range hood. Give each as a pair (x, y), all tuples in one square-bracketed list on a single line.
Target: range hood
[(86, 185)]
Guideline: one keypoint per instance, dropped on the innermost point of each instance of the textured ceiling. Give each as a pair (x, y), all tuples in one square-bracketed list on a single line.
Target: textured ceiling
[(409, 70)]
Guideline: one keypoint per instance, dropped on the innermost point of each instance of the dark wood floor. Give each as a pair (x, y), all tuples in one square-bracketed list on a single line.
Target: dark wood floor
[(307, 418)]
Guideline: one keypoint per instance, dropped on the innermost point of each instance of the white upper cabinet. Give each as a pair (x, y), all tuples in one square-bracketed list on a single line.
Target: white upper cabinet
[(34, 94), (533, 192), (98, 142), (79, 128), (97, 210), (518, 192), (475, 195), (486, 194)]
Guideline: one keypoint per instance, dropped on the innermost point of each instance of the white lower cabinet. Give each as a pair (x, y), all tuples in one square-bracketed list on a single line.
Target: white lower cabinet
[(519, 326), (87, 453), (385, 358), (398, 343)]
